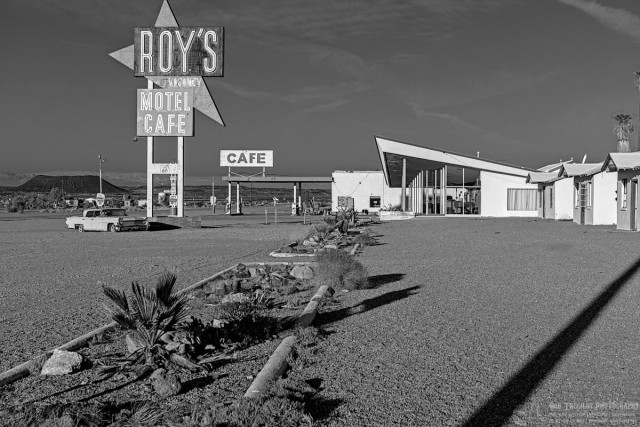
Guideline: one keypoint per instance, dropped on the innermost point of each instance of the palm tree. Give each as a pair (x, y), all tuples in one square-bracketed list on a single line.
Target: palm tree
[(149, 314), (623, 129)]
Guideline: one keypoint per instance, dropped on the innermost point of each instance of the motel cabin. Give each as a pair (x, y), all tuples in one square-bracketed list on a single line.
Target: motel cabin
[(627, 166), (594, 193), (554, 195)]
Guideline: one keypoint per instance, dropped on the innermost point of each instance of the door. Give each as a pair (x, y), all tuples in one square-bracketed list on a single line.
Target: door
[(633, 186), (583, 202)]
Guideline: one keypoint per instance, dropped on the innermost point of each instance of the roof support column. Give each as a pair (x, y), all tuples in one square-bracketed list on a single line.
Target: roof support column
[(403, 202)]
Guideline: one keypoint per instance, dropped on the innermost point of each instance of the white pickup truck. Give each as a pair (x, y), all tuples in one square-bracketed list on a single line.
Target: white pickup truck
[(106, 219)]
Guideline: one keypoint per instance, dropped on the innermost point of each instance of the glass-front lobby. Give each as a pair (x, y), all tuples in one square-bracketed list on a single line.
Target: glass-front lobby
[(448, 190)]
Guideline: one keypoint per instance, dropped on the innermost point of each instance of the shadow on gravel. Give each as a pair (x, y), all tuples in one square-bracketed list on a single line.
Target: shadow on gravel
[(320, 408), (159, 226), (384, 279), (499, 408), (364, 306)]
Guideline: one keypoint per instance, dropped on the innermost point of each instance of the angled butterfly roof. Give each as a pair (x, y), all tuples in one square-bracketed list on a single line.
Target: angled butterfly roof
[(419, 158)]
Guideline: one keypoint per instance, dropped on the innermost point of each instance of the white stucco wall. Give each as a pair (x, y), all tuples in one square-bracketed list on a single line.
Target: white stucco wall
[(605, 205), (361, 185), (563, 203), (494, 188)]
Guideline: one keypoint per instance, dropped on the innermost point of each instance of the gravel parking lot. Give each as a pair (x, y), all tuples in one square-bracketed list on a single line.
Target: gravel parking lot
[(50, 277), (462, 307), (476, 300)]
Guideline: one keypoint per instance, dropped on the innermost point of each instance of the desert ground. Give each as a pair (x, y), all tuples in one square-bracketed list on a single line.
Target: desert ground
[(477, 321)]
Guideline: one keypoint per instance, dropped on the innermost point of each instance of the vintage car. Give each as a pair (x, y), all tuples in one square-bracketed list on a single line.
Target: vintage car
[(106, 219)]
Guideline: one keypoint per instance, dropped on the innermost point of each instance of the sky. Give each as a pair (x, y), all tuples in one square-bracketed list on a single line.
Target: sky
[(527, 82)]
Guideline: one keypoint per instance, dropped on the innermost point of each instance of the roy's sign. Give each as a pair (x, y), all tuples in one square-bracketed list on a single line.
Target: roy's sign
[(178, 51), (246, 158), (165, 112)]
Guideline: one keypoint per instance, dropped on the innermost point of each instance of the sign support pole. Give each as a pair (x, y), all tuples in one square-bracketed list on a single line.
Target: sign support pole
[(149, 168), (237, 197), (181, 177), (228, 207)]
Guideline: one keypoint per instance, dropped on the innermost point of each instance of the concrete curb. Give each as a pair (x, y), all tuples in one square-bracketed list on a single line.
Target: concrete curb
[(277, 363), (22, 370), (309, 313), (272, 370)]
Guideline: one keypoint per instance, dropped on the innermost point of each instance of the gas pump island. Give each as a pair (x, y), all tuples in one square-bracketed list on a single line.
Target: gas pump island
[(175, 59)]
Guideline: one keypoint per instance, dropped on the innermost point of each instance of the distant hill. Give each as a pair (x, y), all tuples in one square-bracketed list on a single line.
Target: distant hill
[(121, 179), (82, 184)]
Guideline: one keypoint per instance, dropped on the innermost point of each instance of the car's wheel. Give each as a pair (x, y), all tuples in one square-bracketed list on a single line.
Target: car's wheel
[(81, 228), (112, 228)]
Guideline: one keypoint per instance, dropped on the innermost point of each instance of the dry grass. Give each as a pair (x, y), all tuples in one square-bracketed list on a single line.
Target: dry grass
[(339, 270)]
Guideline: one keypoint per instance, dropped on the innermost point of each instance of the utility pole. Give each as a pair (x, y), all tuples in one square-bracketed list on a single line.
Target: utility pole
[(100, 162), (637, 85)]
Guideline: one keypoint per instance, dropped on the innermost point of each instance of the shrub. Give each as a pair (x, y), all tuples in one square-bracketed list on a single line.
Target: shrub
[(149, 314), (364, 239), (339, 270), (245, 321)]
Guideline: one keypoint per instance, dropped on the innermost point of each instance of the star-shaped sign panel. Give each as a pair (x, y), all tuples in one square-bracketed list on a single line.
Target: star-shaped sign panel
[(202, 99)]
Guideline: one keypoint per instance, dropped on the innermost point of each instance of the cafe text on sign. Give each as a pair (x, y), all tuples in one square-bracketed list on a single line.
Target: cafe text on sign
[(165, 112), (178, 51), (246, 158)]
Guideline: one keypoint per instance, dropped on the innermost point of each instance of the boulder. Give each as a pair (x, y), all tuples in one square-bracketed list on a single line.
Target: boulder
[(61, 363), (301, 272), (165, 383), (253, 271)]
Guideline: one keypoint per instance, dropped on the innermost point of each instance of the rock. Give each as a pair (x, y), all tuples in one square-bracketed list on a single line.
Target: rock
[(172, 346), (253, 271), (237, 297), (217, 323), (330, 246), (246, 286), (167, 337), (61, 363), (309, 243), (236, 286), (165, 383), (133, 343), (301, 272), (242, 271)]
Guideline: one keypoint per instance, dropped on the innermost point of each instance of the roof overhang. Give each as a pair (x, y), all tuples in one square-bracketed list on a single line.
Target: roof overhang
[(316, 179), (419, 158), (542, 177), (621, 161)]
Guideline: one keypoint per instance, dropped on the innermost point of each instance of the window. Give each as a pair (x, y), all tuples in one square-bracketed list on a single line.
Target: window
[(540, 197), (589, 194), (551, 197), (624, 194), (374, 201), (576, 195), (521, 199)]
